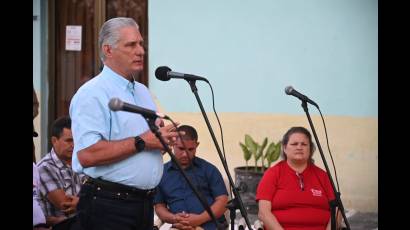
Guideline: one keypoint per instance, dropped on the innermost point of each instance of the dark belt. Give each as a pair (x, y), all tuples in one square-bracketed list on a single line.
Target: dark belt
[(41, 225), (119, 189)]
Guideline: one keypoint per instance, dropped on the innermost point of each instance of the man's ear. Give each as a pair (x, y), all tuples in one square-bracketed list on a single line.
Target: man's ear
[(197, 143), (54, 140), (107, 50)]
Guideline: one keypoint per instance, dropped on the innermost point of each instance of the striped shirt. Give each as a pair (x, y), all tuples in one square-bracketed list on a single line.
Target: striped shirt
[(38, 215), (55, 174)]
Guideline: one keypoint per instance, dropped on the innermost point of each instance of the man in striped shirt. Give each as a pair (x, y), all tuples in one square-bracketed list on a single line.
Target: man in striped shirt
[(59, 184)]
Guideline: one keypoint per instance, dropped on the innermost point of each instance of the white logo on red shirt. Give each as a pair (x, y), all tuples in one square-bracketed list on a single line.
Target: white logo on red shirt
[(316, 192)]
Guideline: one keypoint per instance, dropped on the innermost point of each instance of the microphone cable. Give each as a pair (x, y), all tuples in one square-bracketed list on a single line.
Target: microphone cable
[(330, 153), (220, 128)]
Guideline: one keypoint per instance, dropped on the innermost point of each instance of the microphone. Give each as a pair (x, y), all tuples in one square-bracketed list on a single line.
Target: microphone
[(164, 73), (116, 104), (289, 90)]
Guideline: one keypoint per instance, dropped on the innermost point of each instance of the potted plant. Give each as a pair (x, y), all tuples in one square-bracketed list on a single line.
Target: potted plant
[(247, 177)]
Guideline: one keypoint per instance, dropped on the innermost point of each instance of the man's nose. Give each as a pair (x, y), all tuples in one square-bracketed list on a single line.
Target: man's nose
[(140, 50)]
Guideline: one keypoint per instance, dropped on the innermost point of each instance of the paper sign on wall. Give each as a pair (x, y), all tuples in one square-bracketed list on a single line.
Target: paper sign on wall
[(73, 38)]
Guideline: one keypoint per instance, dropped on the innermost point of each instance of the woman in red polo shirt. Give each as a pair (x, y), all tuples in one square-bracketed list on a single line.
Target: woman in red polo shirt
[(295, 194)]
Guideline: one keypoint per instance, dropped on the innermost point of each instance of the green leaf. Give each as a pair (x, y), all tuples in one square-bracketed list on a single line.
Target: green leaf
[(277, 151), (263, 146), (269, 153), (258, 153), (270, 149), (251, 144), (261, 149), (246, 153)]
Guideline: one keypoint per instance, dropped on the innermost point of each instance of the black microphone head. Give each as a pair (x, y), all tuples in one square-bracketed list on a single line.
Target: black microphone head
[(288, 90), (162, 73), (115, 104)]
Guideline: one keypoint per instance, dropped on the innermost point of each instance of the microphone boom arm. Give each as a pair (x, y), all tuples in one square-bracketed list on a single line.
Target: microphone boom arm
[(155, 130), (237, 199), (337, 202)]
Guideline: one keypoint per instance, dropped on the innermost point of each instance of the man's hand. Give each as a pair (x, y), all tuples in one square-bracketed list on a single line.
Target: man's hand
[(71, 205), (187, 221), (181, 221), (169, 134), (159, 122), (193, 219)]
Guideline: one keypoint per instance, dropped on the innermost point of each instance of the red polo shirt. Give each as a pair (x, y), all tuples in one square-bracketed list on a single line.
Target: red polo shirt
[(298, 201)]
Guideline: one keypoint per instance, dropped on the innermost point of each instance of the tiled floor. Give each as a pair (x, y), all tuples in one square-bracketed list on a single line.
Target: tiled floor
[(363, 221), (357, 220)]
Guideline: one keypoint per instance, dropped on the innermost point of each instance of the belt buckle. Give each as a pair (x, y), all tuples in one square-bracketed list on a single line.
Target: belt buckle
[(85, 180)]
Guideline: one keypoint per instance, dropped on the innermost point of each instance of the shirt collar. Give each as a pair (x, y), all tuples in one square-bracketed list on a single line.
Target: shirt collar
[(309, 165), (119, 80), (60, 164), (172, 165)]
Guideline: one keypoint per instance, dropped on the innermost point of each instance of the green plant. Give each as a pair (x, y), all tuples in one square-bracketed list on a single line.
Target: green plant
[(253, 148)]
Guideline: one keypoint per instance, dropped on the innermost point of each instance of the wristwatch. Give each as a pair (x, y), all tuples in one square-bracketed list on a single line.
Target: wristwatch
[(139, 143)]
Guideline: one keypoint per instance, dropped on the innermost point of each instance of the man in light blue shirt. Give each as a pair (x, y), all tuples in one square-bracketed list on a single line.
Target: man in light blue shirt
[(116, 150)]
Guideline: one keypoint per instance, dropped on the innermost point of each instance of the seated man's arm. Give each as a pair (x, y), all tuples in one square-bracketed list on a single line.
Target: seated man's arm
[(63, 202), (178, 220), (164, 214), (218, 208), (51, 187), (57, 198), (70, 206)]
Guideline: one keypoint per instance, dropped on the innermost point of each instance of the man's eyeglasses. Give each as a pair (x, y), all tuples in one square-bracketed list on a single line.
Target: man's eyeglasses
[(301, 184)]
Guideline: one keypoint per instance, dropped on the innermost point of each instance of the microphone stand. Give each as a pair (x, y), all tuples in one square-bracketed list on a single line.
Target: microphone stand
[(337, 202), (155, 130), (236, 202)]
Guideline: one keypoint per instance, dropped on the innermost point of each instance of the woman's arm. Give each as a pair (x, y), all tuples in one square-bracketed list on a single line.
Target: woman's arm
[(338, 221), (266, 216)]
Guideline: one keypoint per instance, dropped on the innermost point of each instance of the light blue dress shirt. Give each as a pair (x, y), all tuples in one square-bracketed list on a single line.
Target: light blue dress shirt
[(92, 121)]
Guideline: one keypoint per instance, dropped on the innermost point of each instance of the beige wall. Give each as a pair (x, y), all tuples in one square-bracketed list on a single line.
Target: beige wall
[(37, 140), (352, 140)]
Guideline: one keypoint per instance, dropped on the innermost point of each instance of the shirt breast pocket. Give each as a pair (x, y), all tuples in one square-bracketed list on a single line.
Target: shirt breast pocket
[(67, 184), (201, 183), (176, 204)]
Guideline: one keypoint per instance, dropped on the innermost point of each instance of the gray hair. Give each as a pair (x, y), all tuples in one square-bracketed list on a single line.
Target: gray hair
[(109, 33)]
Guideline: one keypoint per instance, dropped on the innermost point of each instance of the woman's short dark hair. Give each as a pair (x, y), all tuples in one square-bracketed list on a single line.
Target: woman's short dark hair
[(301, 130)]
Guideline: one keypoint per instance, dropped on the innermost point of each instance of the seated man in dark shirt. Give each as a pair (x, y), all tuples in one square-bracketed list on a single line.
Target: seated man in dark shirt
[(175, 202)]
